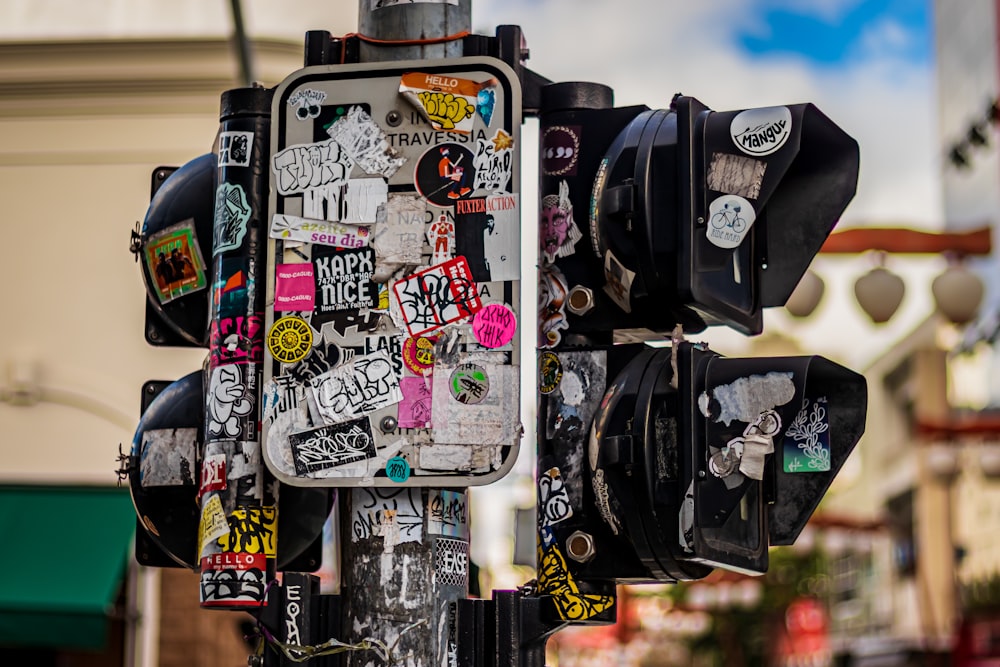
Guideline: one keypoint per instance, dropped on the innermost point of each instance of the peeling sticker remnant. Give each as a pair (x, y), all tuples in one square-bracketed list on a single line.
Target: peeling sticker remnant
[(746, 398), (365, 142), (736, 175), (168, 457)]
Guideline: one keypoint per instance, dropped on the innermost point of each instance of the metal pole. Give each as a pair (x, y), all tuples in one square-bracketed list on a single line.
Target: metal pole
[(391, 590)]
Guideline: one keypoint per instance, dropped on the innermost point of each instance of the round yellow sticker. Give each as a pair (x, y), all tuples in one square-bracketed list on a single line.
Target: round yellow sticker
[(290, 339)]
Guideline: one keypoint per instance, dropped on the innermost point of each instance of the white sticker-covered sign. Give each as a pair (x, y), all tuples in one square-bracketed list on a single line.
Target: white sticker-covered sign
[(729, 220), (761, 131)]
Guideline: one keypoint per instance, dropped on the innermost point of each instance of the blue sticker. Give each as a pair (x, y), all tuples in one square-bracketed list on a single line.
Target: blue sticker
[(397, 469), (486, 99), (232, 212)]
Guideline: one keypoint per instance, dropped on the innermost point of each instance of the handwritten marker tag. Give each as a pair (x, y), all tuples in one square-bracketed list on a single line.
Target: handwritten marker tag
[(397, 469), (494, 326)]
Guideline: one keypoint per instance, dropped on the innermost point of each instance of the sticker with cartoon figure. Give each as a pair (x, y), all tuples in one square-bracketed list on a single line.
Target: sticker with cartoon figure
[(557, 230), (449, 103), (234, 149), (549, 372), (441, 236), (174, 261), (552, 291), (445, 173), (418, 354), (729, 220)]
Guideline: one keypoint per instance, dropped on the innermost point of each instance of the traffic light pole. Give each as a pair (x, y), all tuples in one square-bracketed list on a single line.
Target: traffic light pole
[(391, 590)]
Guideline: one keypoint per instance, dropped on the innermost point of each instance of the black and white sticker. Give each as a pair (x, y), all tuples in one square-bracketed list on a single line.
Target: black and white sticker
[(761, 131)]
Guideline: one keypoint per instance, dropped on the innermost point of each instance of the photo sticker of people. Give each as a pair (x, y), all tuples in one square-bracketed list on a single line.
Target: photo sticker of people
[(557, 230), (174, 262)]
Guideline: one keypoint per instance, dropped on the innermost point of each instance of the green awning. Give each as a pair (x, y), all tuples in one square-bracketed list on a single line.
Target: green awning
[(63, 554)]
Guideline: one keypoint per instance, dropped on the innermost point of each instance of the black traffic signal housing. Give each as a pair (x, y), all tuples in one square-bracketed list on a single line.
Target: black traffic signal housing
[(697, 461), (694, 217)]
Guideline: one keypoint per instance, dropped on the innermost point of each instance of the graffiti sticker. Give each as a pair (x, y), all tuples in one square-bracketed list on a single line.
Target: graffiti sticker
[(494, 162), (332, 445), (356, 388), (437, 296), (307, 166), (232, 212), (234, 149)]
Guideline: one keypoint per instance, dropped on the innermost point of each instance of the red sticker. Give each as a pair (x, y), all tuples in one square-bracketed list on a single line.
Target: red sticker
[(418, 354), (438, 295), (233, 580), (213, 473)]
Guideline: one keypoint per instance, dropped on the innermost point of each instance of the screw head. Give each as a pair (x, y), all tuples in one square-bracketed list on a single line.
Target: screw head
[(393, 118)]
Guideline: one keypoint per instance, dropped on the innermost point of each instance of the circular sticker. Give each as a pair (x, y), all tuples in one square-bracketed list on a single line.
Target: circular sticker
[(761, 131), (549, 372), (560, 150), (469, 383), (418, 354), (290, 339), (397, 469), (494, 325), (729, 220), (445, 173)]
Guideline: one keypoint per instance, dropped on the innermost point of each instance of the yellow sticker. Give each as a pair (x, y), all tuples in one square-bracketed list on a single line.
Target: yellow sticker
[(252, 530), (290, 339), (213, 524)]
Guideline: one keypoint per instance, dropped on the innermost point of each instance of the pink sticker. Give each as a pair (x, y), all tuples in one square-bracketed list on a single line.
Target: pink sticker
[(415, 408), (494, 325), (294, 287)]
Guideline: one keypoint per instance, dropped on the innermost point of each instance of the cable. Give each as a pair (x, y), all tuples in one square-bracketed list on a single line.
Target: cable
[(398, 42)]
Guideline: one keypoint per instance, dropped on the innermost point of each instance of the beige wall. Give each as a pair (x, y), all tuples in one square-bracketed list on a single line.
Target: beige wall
[(82, 125)]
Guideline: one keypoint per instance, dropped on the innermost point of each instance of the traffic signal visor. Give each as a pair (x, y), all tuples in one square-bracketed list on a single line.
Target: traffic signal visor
[(717, 215)]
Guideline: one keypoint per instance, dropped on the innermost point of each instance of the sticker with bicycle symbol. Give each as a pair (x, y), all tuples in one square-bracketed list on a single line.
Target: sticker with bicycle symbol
[(729, 220)]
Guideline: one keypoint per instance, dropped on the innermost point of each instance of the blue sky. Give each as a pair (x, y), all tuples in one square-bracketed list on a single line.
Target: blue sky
[(834, 37)]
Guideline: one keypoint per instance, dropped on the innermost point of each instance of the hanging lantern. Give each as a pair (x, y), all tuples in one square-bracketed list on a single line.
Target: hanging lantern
[(879, 293), (957, 293), (806, 296)]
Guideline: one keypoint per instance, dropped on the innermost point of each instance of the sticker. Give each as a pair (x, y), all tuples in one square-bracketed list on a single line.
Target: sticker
[(232, 213), (307, 230), (441, 236), (555, 579), (290, 339), (618, 282), (294, 287), (445, 173), (344, 279), (304, 167), (415, 408), (487, 234), (729, 220), (451, 562), (736, 175), (418, 354), (560, 150), (437, 296), (174, 261), (552, 291), (233, 285), (447, 102), (230, 403), (213, 524), (234, 149), (486, 101), (398, 240), (167, 457), (447, 513), (397, 469), (382, 4), (365, 142), (236, 340), (557, 230), (332, 445), (494, 161), (745, 398), (307, 103), (392, 343), (233, 580), (494, 326), (553, 500), (807, 439), (356, 202), (356, 388), (213, 474), (469, 383), (252, 530), (549, 372), (761, 131), (371, 508)]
